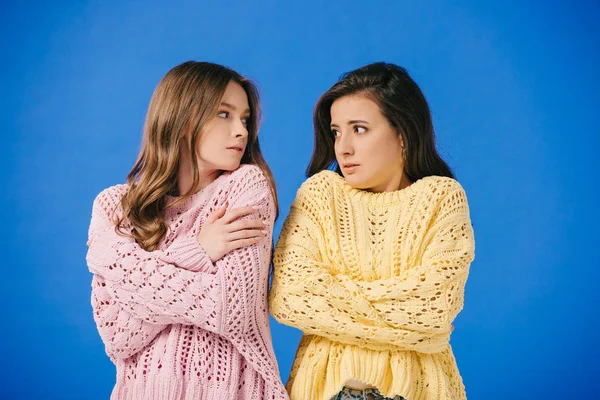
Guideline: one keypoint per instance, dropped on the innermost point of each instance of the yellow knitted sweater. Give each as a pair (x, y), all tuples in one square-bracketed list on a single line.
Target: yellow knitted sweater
[(374, 281)]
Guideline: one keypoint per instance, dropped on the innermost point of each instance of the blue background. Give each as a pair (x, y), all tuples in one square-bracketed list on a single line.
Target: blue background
[(515, 101)]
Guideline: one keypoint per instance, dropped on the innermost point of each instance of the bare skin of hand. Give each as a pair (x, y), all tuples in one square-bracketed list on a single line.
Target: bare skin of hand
[(225, 231)]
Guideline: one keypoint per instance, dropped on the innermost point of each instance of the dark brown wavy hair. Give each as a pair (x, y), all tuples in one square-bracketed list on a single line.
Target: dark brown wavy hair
[(400, 101), (187, 97)]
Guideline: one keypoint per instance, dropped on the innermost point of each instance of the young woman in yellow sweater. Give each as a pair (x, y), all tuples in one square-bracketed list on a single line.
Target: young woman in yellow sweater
[(373, 258)]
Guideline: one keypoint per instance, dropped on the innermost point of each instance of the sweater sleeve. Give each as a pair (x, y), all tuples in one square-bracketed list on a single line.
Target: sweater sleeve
[(246, 270), (150, 285), (428, 297), (306, 295), (246, 276), (122, 334)]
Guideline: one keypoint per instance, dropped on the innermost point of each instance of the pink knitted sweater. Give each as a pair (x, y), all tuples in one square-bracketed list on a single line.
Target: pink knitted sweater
[(176, 325)]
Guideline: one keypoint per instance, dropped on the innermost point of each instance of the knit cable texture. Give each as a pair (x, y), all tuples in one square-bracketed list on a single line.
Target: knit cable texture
[(374, 281)]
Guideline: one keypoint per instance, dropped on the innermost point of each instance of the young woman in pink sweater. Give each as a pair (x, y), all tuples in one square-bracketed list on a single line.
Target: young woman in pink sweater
[(180, 254)]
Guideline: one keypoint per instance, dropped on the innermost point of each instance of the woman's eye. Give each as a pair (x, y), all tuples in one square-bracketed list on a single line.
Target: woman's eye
[(245, 121), (223, 114), (335, 133), (360, 129)]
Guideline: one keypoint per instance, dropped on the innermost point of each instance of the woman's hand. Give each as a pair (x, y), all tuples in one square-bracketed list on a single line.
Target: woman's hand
[(224, 232)]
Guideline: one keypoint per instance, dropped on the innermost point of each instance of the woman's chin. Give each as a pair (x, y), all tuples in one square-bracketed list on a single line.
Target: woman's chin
[(355, 181), (232, 166)]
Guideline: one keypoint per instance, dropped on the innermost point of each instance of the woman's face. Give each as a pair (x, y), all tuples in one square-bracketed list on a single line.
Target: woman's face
[(367, 148), (223, 140)]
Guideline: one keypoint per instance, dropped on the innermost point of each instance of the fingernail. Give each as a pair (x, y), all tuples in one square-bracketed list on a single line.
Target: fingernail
[(265, 222), (256, 207), (264, 232)]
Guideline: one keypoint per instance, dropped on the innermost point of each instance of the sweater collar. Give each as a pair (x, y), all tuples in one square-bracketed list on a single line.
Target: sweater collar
[(381, 198)]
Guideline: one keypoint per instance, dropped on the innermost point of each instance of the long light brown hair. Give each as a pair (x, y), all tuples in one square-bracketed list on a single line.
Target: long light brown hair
[(187, 97)]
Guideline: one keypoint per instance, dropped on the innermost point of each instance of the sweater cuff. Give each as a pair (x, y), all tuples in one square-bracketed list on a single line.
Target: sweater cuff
[(99, 253), (188, 254)]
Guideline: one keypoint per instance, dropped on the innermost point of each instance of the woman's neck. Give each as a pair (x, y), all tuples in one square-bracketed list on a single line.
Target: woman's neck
[(185, 179), (396, 183)]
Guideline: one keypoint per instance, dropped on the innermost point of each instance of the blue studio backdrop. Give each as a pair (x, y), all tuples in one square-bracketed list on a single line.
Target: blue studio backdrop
[(514, 92)]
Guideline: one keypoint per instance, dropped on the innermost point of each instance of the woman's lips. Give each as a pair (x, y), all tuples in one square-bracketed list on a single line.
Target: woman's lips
[(349, 168)]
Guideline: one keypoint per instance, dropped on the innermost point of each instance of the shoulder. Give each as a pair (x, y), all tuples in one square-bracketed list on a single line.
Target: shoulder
[(442, 185), (445, 193), (248, 174), (320, 185), (248, 178), (247, 185), (316, 194), (106, 203), (108, 200)]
